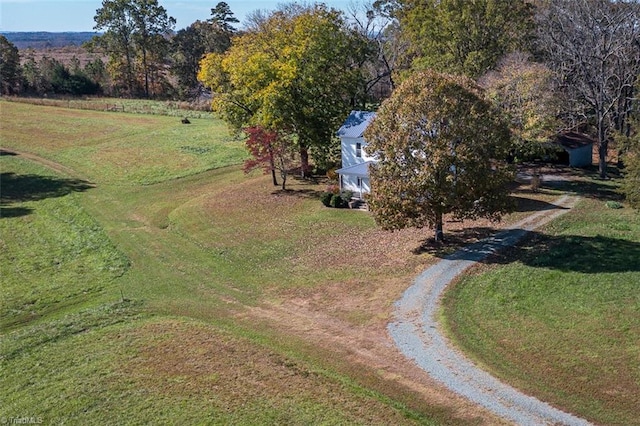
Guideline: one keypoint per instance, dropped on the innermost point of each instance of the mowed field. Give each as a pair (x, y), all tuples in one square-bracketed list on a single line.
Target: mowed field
[(146, 279), (559, 316)]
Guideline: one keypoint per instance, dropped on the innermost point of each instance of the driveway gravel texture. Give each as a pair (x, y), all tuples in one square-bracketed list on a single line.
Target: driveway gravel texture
[(416, 332)]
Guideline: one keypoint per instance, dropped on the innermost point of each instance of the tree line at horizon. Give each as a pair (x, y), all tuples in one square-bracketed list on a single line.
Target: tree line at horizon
[(297, 71)]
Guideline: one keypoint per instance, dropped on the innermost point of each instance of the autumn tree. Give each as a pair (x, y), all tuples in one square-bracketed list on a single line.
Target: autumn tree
[(135, 38), (271, 151), (629, 142), (295, 71), (10, 69), (441, 149), (525, 93), (631, 182), (594, 47), (465, 36)]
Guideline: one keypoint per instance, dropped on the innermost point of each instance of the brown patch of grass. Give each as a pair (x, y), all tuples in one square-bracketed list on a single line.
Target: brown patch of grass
[(176, 358)]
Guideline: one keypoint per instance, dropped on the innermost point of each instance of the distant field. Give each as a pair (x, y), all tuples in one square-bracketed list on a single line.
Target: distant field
[(561, 317), (119, 148), (43, 39), (182, 109)]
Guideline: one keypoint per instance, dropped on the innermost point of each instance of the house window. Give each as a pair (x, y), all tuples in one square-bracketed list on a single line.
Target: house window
[(359, 182), (359, 150)]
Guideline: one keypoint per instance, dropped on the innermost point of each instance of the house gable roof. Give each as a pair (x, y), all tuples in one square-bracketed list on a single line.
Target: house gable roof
[(355, 124)]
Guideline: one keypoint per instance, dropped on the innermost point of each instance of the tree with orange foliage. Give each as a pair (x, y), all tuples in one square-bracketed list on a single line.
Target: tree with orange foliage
[(271, 151)]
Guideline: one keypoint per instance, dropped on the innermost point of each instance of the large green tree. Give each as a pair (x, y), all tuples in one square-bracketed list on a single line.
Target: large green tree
[(441, 149), (295, 71), (465, 36), (10, 69), (135, 38), (190, 44)]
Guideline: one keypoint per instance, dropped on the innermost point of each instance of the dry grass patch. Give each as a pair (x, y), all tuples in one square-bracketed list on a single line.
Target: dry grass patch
[(179, 359)]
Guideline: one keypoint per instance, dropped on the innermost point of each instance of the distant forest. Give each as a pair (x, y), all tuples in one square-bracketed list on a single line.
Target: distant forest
[(44, 40)]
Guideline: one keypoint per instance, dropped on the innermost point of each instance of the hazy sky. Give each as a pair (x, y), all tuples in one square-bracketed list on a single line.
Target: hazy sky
[(77, 15)]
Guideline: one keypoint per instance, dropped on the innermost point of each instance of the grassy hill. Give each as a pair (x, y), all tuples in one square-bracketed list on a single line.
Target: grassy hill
[(147, 279)]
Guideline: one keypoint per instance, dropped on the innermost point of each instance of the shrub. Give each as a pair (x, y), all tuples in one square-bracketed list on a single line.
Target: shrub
[(346, 196), (613, 205), (325, 198), (337, 201)]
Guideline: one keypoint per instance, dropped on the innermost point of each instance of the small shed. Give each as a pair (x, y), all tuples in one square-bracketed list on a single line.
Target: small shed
[(578, 149)]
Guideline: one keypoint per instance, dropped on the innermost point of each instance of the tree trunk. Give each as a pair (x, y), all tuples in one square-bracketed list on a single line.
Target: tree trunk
[(603, 145), (272, 163), (439, 234), (304, 161), (283, 175), (602, 161), (146, 72)]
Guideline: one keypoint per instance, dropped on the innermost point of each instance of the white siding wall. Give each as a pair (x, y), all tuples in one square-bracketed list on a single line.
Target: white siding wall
[(349, 157), (350, 183)]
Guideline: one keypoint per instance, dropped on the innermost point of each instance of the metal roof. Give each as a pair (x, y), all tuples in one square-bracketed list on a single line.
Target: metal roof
[(574, 140), (355, 124)]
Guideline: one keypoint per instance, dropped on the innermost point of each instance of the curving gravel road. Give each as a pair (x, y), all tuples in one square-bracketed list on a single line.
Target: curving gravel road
[(416, 333)]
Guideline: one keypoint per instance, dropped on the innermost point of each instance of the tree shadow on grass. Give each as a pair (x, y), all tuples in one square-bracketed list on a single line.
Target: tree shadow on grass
[(567, 253), (8, 153), (298, 193), (15, 188), (594, 189), (523, 204), (453, 240), (8, 212)]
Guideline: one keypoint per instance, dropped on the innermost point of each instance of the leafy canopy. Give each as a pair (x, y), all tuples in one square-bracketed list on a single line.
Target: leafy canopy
[(296, 71), (135, 38), (524, 92), (441, 149), (465, 36), (269, 150)]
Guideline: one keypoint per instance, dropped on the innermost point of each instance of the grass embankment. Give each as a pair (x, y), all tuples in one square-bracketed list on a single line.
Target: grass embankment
[(127, 292), (560, 315)]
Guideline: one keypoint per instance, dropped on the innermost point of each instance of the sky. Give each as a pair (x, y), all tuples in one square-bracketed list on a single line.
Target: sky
[(77, 15)]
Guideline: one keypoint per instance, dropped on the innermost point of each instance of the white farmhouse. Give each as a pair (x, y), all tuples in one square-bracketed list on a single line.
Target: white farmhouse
[(354, 174)]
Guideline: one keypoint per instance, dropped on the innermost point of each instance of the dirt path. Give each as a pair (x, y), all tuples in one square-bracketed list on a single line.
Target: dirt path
[(416, 331)]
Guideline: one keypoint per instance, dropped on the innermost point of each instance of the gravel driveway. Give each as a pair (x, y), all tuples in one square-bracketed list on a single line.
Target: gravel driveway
[(416, 332)]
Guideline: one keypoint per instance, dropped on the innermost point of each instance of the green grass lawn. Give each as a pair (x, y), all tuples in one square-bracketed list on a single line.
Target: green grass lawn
[(125, 289), (53, 253), (118, 148), (132, 270), (560, 315)]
